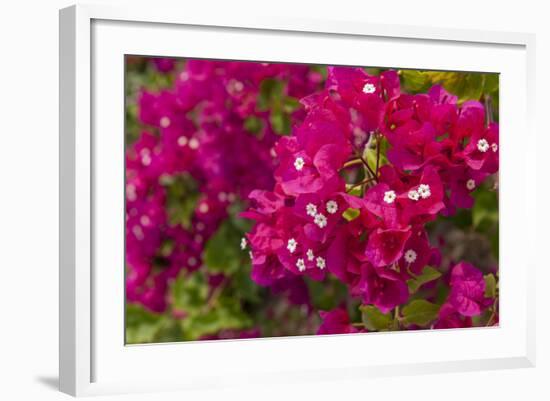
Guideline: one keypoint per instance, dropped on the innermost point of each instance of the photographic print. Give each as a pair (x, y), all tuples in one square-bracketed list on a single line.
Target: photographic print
[(277, 199)]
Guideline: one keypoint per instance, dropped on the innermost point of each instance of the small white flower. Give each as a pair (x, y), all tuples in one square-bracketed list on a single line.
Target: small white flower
[(494, 146), (320, 262), (410, 256), (389, 196), (483, 145), (424, 191), (320, 220), (310, 255), (369, 88), (203, 208), (192, 261), (244, 243), (193, 143), (250, 255), (131, 192), (413, 195), (222, 196), (299, 163), (291, 245), (145, 158), (300, 264), (200, 226), (332, 207), (182, 141), (311, 209), (165, 122), (470, 184), (145, 220)]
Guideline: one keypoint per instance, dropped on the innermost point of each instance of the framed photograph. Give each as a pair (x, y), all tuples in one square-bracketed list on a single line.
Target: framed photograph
[(274, 200)]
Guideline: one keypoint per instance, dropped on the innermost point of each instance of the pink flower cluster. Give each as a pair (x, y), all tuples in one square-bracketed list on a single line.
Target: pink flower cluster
[(335, 209), (195, 130)]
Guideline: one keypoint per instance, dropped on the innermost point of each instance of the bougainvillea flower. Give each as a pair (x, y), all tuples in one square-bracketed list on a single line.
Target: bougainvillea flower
[(383, 288), (450, 318), (385, 247), (467, 294), (336, 321)]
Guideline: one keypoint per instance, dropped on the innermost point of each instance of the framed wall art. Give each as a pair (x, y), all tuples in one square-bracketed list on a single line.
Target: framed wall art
[(270, 199)]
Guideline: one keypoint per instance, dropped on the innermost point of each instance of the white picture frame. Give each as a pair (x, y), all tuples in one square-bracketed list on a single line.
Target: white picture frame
[(95, 361)]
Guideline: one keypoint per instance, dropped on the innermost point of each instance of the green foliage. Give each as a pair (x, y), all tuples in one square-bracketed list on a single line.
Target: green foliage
[(146, 327), (428, 274), (327, 294), (222, 253), (490, 286), (351, 214), (181, 198), (420, 312), (470, 86), (375, 320), (273, 98)]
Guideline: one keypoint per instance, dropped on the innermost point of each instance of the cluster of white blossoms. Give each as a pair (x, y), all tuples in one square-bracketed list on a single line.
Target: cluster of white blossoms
[(319, 218), (389, 196), (310, 255), (410, 256), (291, 245), (483, 145), (299, 164), (423, 191), (369, 88)]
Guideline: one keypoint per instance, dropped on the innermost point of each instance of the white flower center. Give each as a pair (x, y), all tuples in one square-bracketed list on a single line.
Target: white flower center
[(299, 163), (145, 159), (310, 255), (389, 196), (494, 146), (320, 220), (165, 122), (410, 256), (413, 195), (311, 209), (424, 191), (369, 88), (470, 184), (182, 141), (243, 243), (483, 145), (320, 262), (300, 264), (291, 245), (332, 207), (193, 143), (145, 220), (131, 192), (203, 208)]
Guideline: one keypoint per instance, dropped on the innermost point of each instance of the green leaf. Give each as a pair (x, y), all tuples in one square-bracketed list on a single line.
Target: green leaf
[(420, 312), (142, 326), (490, 286), (182, 195), (428, 274), (414, 80), (485, 209), (490, 83), (351, 214), (280, 122), (374, 319), (222, 252), (253, 125), (271, 91), (189, 291)]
